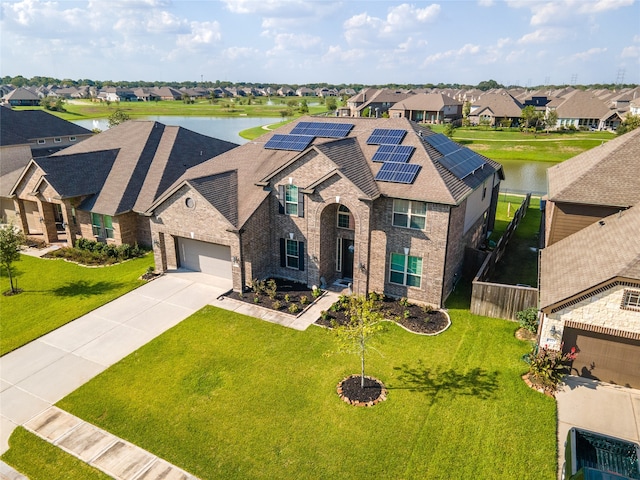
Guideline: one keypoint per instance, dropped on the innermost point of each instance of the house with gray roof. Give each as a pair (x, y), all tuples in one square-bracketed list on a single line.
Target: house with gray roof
[(98, 189), (21, 97), (427, 108), (26, 134), (590, 267), (585, 110), (592, 185), (384, 205), (496, 108)]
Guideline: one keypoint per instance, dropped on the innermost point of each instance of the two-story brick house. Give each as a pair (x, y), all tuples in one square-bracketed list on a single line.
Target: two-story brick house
[(383, 204)]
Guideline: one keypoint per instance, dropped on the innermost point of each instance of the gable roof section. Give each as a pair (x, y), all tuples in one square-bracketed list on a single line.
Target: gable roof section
[(432, 102), (150, 157), (221, 191), (582, 104), (594, 255), (604, 175), (500, 104), (34, 124)]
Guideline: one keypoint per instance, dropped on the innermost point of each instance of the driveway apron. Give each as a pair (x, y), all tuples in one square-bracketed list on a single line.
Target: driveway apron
[(35, 376)]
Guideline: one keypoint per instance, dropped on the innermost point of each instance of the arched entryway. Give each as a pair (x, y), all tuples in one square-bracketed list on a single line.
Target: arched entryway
[(337, 243)]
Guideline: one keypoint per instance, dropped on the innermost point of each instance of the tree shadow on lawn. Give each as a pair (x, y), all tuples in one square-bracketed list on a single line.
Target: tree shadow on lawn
[(85, 289), (477, 382)]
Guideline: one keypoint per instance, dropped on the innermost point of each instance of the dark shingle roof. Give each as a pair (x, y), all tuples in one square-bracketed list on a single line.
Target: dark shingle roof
[(591, 256), (34, 124), (150, 156), (221, 191), (604, 175)]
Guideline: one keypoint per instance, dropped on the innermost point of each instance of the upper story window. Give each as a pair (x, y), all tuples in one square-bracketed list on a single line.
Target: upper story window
[(409, 214), (41, 141), (345, 218), (57, 140), (291, 200), (72, 139), (631, 300)]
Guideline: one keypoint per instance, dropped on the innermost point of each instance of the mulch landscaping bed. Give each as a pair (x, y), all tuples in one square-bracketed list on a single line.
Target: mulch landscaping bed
[(417, 320), (288, 292), (351, 391)]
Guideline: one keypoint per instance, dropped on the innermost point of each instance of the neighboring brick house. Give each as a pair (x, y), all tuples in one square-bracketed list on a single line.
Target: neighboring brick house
[(26, 134), (98, 188), (496, 108), (590, 298), (591, 186), (385, 205)]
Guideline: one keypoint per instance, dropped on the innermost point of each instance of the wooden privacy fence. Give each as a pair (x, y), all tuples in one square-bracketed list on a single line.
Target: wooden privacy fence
[(497, 299)]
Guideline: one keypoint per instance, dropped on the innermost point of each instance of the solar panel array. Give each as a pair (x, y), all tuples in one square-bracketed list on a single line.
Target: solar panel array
[(393, 153), (319, 129), (385, 136), (397, 172), (296, 143), (460, 161)]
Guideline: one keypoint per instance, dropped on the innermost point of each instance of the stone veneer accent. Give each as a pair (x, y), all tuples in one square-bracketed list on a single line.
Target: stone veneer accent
[(599, 313)]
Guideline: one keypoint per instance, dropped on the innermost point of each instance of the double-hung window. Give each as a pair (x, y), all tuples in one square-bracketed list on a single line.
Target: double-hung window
[(405, 270), (291, 200), (291, 254), (409, 214)]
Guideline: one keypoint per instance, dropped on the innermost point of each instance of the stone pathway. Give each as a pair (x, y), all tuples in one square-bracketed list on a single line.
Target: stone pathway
[(100, 449)]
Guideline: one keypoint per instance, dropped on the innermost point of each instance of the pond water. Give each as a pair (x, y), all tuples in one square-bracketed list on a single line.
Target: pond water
[(520, 176)]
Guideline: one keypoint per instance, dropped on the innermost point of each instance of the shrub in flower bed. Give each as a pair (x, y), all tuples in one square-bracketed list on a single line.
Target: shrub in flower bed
[(89, 252), (286, 296), (417, 318)]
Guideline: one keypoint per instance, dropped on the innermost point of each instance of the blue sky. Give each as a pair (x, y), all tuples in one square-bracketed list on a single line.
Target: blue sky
[(525, 42)]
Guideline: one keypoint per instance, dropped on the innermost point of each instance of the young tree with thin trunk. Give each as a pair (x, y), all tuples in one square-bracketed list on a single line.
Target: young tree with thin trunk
[(364, 322), (10, 240)]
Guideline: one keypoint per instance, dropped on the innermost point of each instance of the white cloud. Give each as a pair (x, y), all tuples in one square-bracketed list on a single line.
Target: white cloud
[(586, 55), (632, 51), (546, 12), (465, 50), (486, 3), (543, 35), (235, 53), (335, 54), (286, 43), (202, 35)]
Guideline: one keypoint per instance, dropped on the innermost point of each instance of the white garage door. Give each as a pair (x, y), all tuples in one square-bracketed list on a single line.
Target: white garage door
[(204, 257)]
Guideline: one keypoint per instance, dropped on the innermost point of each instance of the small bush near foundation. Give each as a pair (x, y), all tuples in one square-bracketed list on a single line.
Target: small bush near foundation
[(294, 308), (528, 319), (90, 252)]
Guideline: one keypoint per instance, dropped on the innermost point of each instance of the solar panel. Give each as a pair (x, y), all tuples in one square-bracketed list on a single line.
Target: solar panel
[(319, 129), (393, 153), (459, 160), (386, 136), (296, 143), (396, 172)]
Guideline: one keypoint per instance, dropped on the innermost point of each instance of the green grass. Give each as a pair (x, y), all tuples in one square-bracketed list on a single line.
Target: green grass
[(223, 395), (56, 292), (514, 145), (255, 132), (39, 460), (519, 263), (85, 109)]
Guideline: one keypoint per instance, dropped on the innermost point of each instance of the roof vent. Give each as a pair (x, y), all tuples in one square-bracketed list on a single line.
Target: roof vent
[(601, 223)]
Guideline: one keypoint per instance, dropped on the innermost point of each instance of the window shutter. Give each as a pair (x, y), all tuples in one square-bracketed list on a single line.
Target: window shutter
[(300, 204), (283, 253), (301, 256), (281, 198)]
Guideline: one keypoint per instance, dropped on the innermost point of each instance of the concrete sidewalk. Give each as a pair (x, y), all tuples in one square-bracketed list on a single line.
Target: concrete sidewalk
[(599, 407)]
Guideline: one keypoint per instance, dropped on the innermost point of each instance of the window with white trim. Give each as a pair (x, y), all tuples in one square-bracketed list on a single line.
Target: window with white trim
[(631, 300), (345, 218), (41, 141), (72, 139), (409, 214), (405, 270), (293, 254), (57, 140), (291, 200)]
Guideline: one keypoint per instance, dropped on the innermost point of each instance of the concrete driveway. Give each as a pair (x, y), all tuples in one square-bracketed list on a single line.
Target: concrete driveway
[(599, 407), (35, 376)]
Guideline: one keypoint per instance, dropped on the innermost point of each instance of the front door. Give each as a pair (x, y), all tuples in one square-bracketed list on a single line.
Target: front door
[(347, 258)]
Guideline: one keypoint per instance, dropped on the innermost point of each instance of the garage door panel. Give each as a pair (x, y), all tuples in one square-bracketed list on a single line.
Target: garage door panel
[(604, 357), (204, 257)]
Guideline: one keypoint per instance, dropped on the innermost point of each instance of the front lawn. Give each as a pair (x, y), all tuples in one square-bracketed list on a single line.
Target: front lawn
[(224, 395), (56, 292)]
